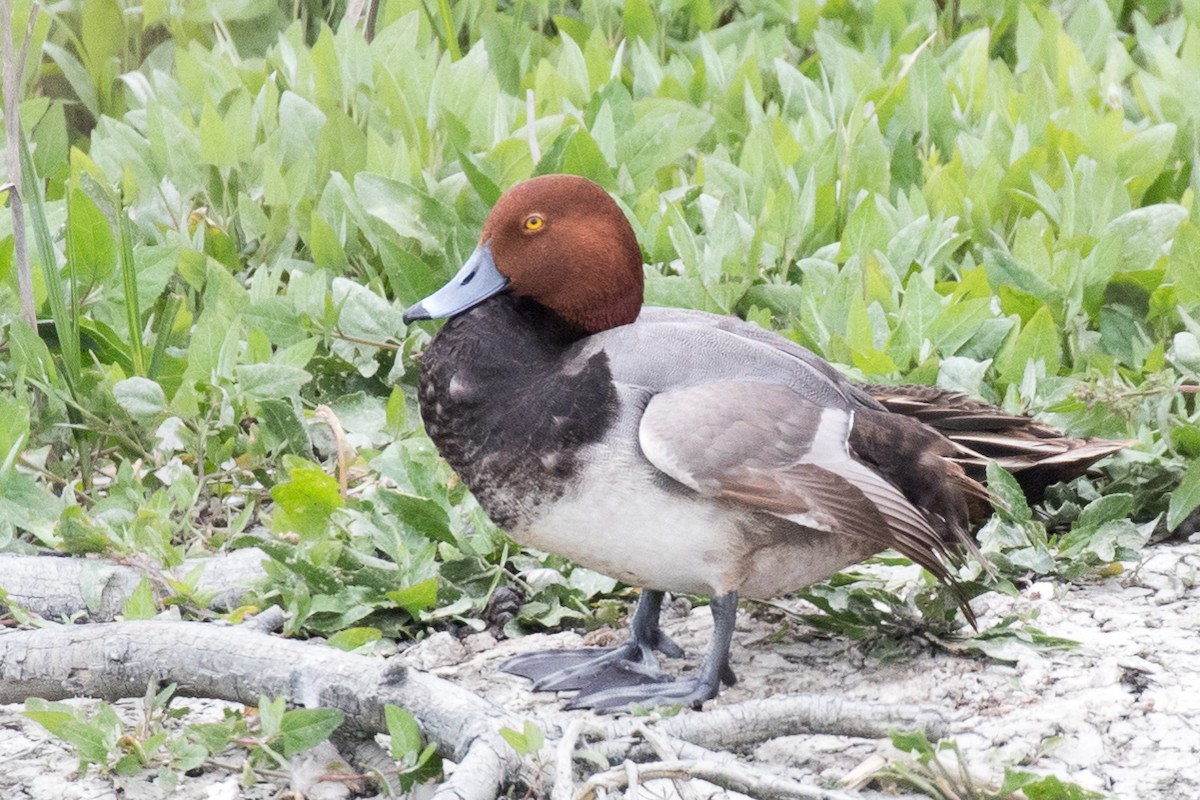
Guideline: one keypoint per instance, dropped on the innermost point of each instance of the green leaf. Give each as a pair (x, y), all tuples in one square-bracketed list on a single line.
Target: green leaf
[(1143, 233), (51, 716), (396, 205), (187, 756), (216, 146), (1183, 265), (141, 604), (1186, 497), (416, 598), (1010, 500), (306, 500), (526, 741), (270, 715), (142, 398), (663, 132), (405, 733), (93, 741), (1037, 341), (278, 418), (302, 728), (93, 245), (102, 29), (420, 514), (912, 742), (1044, 787), (1143, 157), (1109, 508), (76, 75), (1004, 272), (14, 427), (354, 638), (270, 381), (637, 20)]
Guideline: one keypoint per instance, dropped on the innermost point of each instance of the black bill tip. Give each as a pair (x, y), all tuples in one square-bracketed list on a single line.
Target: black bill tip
[(414, 313)]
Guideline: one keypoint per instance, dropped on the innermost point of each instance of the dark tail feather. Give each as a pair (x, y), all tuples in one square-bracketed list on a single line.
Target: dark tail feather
[(1038, 455)]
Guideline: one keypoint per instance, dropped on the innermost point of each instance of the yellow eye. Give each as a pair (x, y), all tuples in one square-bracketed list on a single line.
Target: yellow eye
[(534, 222)]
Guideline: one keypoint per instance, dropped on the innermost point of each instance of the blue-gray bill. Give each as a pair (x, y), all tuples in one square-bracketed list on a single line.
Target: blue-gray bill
[(475, 282)]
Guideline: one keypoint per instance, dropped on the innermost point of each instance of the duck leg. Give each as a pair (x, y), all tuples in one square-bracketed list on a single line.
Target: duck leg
[(632, 662), (714, 670)]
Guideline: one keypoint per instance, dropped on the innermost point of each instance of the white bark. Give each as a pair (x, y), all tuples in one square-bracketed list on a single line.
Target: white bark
[(58, 588), (111, 661), (240, 664)]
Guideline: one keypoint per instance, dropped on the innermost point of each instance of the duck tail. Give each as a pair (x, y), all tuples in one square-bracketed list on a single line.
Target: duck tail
[(1038, 455)]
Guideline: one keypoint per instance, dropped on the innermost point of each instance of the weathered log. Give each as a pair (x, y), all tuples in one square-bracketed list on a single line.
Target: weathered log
[(63, 588), (116, 660)]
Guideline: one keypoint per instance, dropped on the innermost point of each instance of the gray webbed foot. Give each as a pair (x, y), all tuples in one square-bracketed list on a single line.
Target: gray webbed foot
[(597, 667), (614, 679)]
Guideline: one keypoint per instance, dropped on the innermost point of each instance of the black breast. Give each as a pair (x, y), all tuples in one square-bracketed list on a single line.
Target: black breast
[(509, 404)]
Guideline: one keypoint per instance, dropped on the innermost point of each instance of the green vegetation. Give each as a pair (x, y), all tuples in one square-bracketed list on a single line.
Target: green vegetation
[(229, 207), (940, 771), (158, 739)]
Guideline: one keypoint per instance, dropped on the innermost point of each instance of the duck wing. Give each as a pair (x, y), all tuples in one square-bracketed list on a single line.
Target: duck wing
[(1037, 454), (749, 332), (766, 446)]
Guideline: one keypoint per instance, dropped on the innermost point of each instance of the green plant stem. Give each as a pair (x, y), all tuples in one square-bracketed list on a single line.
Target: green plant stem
[(168, 310), (338, 334), (66, 322), (79, 413), (448, 32), (133, 313)]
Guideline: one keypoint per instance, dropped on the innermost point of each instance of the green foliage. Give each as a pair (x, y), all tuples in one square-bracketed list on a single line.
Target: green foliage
[(526, 741), (939, 770), (417, 763), (158, 738), (230, 207)]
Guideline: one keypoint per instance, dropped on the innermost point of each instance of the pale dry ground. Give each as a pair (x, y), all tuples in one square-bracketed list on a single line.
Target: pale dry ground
[(1120, 714)]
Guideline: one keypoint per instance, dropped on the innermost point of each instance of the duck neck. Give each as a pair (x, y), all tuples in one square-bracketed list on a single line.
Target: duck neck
[(503, 394), (510, 333), (555, 330)]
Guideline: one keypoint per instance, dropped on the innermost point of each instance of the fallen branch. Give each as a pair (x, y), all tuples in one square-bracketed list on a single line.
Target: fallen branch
[(745, 724), (58, 588), (113, 661), (732, 777), (239, 664)]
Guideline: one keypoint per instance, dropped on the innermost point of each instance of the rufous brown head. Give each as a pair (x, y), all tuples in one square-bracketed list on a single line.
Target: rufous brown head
[(559, 240)]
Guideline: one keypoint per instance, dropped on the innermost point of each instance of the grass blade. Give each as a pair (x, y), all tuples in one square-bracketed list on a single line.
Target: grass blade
[(66, 321), (133, 313)]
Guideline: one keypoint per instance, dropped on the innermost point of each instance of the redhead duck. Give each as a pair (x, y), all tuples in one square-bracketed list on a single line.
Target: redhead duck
[(677, 450)]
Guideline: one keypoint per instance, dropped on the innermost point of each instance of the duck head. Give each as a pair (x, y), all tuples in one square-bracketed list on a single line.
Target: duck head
[(559, 240)]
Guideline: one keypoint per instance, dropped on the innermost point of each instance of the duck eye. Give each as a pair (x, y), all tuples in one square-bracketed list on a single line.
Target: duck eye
[(534, 222)]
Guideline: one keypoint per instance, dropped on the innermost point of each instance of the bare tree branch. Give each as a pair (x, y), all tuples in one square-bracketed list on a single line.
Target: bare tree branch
[(111, 661), (742, 725), (57, 588), (735, 777), (239, 664)]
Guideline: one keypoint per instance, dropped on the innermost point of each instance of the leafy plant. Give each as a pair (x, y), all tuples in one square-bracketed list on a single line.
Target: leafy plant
[(417, 762), (526, 741), (162, 739), (925, 770), (231, 206)]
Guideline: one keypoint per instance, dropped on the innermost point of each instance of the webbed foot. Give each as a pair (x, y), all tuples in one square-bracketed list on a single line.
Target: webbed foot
[(613, 679), (629, 663)]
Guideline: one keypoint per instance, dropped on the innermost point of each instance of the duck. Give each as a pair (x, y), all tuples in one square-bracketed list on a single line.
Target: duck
[(685, 452)]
